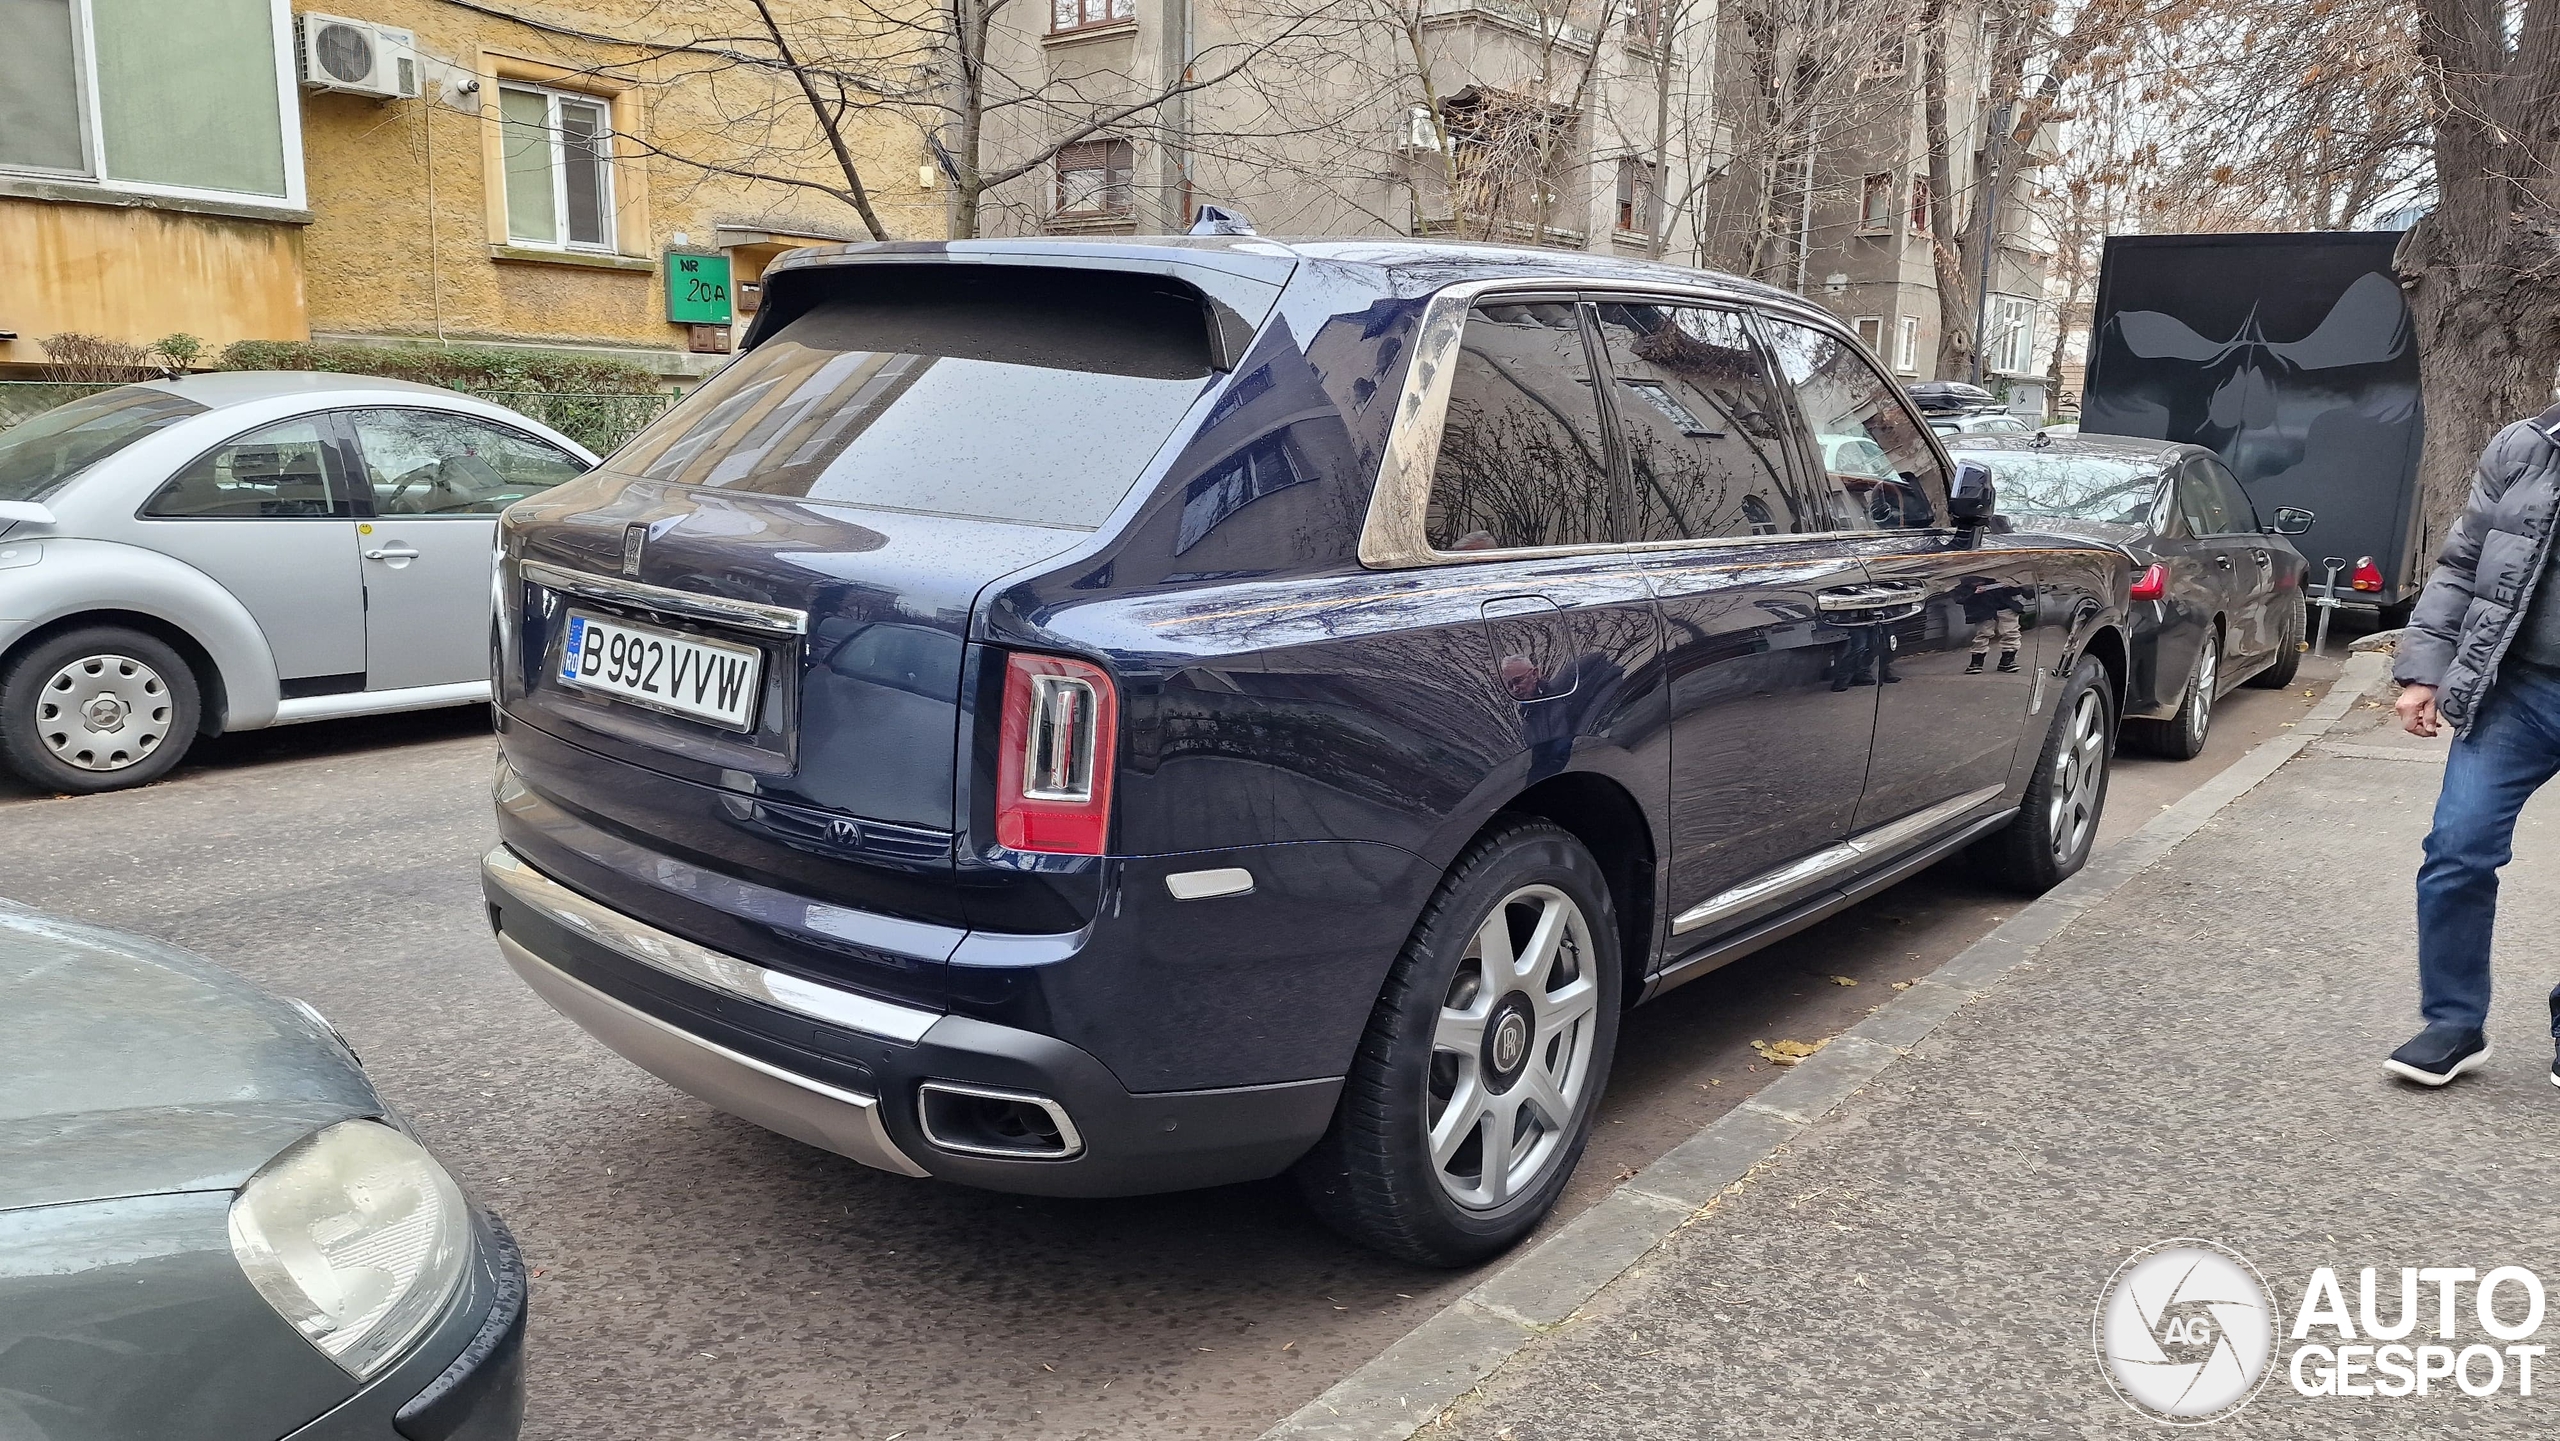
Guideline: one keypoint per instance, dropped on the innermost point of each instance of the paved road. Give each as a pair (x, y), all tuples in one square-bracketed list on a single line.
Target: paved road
[(698, 1277)]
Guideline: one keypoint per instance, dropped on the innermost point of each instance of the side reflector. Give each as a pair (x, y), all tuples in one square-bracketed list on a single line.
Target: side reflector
[(1054, 758)]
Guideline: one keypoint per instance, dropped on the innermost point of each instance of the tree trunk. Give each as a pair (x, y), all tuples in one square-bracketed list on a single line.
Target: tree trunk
[(2480, 363), (1946, 247)]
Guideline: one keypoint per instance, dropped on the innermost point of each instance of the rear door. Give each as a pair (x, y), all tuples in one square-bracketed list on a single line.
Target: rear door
[(2221, 543), (269, 515), (1770, 702), (1958, 628), (434, 484), (2253, 564)]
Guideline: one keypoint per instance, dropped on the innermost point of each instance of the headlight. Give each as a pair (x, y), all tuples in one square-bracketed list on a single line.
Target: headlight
[(357, 1237)]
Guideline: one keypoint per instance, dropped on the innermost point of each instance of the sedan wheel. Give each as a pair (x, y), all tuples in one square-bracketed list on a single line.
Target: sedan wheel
[(2182, 736), (95, 710), (2057, 821)]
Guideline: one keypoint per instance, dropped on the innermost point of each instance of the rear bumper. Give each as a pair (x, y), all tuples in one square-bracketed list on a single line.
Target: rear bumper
[(842, 1071)]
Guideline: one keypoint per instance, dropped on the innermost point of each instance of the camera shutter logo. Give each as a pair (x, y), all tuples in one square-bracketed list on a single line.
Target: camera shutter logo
[(2186, 1331)]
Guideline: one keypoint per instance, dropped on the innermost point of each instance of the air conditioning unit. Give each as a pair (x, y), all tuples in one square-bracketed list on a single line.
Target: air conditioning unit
[(358, 57)]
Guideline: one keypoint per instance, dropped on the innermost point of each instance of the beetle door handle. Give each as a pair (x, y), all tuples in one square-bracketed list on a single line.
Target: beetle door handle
[(396, 554)]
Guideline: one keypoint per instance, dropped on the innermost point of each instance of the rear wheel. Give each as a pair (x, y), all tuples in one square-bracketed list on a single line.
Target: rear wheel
[(1473, 1090), (2057, 821), (97, 709), (2182, 736), (2288, 659)]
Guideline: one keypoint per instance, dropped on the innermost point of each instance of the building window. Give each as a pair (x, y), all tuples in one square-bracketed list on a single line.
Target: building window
[(191, 99), (1094, 177), (2009, 344), (559, 161), (1085, 14), (1906, 346), (1875, 205), (1635, 195), (1919, 204), (1870, 330)]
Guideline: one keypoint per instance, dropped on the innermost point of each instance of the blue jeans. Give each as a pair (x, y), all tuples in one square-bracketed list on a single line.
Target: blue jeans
[(2514, 746)]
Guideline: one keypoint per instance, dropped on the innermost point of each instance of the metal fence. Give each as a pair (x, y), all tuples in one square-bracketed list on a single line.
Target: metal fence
[(599, 420)]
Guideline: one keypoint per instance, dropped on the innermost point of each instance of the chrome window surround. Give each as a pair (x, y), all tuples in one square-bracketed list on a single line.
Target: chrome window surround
[(1392, 536), (1069, 1139), (701, 965), (745, 614)]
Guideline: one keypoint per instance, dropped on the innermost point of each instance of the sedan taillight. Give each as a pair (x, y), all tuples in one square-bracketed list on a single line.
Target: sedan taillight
[(1054, 756), (2152, 584)]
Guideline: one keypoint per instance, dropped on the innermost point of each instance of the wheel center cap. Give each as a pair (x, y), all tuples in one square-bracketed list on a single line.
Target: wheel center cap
[(104, 712), (1506, 1041)]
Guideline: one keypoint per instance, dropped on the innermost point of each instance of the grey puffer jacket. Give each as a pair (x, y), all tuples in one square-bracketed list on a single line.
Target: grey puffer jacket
[(2485, 578)]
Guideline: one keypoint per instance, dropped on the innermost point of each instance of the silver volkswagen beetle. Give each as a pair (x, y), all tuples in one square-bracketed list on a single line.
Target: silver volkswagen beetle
[(211, 1226), (224, 552)]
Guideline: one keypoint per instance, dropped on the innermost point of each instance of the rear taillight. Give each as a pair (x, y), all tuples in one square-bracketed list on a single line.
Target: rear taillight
[(1054, 756), (2152, 584), (2368, 576)]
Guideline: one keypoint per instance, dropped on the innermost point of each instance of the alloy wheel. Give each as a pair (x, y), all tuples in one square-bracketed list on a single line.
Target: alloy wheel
[(103, 712), (2208, 677), (2079, 778), (1511, 1050)]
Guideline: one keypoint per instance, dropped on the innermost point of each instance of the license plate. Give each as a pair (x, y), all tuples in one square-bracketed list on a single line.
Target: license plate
[(682, 674)]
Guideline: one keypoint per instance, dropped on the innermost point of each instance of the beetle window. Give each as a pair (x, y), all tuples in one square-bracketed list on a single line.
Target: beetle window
[(282, 472), (1522, 462)]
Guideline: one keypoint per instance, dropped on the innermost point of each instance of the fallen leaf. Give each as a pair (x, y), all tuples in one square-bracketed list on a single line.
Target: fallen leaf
[(1045, 1366), (1902, 985), (1292, 1346), (1842, 981), (1785, 1053)]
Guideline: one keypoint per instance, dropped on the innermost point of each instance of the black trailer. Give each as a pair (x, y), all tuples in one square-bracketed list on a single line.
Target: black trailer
[(2292, 357)]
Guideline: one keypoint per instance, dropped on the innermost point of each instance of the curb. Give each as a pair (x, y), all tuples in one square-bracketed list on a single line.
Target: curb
[(1407, 1386)]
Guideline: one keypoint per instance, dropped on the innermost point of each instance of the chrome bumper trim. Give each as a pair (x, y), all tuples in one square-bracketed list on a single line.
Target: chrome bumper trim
[(752, 615), (830, 1118), (1805, 871), (701, 965)]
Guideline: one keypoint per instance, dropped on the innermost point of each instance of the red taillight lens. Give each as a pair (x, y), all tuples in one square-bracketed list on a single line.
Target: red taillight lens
[(2152, 584), (2368, 576), (1054, 756)]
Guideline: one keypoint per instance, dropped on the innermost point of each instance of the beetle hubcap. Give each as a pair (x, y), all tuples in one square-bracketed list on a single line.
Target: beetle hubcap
[(1511, 1049), (103, 712)]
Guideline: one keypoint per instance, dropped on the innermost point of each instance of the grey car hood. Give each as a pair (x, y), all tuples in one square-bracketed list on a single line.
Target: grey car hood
[(129, 1067)]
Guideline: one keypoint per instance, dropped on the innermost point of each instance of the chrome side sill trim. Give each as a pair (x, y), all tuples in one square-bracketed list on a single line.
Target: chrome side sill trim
[(751, 615), (700, 964), (303, 709), (1804, 871), (808, 1111)]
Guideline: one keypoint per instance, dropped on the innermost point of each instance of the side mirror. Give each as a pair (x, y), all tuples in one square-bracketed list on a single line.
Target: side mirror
[(2291, 520), (1972, 497)]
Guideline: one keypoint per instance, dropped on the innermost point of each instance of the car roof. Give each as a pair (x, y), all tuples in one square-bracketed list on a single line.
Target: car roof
[(2132, 449), (234, 387)]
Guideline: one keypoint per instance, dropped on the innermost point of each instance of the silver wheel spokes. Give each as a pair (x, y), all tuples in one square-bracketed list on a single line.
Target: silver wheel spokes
[(2208, 675), (103, 712), (2079, 777), (1511, 1050)]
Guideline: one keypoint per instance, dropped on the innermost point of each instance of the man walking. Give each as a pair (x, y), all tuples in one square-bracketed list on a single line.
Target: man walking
[(2482, 654)]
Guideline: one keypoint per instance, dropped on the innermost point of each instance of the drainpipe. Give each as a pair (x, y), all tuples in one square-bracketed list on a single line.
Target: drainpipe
[(1182, 126)]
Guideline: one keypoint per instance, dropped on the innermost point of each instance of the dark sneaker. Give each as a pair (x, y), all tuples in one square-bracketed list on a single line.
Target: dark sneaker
[(2438, 1054)]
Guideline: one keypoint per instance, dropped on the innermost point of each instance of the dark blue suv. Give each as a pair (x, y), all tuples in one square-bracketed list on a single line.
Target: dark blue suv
[(1090, 718)]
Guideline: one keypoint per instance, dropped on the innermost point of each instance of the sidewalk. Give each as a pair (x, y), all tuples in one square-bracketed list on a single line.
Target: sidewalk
[(2196, 1054)]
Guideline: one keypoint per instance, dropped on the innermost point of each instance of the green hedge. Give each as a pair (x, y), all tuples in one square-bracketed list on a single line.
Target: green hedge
[(457, 368)]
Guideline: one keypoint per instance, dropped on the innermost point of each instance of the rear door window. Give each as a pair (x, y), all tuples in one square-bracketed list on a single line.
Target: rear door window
[(997, 392), (1704, 428), (282, 472), (1523, 461), (2201, 500), (1883, 473), (2236, 506)]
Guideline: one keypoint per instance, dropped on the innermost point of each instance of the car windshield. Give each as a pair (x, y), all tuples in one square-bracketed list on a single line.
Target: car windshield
[(2072, 487), (1036, 395), (38, 456)]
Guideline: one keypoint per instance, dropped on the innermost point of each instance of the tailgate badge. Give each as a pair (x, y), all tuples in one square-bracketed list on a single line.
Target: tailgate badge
[(634, 537)]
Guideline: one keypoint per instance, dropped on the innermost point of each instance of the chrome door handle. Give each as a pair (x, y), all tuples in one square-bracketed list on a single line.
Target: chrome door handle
[(2222, 560), (393, 551), (1876, 595)]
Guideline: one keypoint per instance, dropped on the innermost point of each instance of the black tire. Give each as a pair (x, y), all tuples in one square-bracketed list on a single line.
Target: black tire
[(2047, 844), (2288, 661), (2182, 736), (140, 683), (1373, 1177)]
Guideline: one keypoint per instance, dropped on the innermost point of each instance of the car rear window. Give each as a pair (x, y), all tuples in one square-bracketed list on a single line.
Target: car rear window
[(1006, 393), (37, 456), (2072, 487)]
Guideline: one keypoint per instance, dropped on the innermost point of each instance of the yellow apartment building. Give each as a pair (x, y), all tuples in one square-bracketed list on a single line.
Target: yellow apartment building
[(527, 175)]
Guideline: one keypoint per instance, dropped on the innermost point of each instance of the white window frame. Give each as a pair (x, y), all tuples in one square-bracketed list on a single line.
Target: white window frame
[(609, 219), (93, 144), (2012, 327), (1906, 345)]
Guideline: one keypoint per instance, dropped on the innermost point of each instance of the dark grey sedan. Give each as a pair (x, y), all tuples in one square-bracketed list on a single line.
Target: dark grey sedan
[(2217, 597), (212, 1227)]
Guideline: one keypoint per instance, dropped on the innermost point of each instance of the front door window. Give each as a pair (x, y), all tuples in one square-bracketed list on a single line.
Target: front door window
[(1882, 472)]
